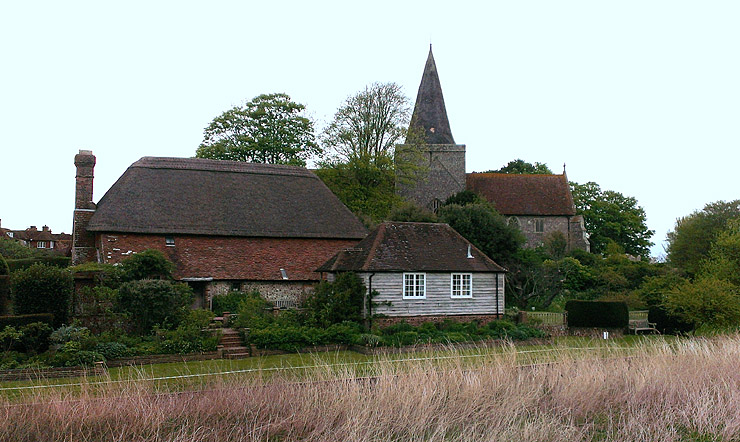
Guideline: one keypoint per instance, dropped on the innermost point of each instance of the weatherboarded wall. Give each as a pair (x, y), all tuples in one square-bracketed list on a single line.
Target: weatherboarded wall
[(390, 302)]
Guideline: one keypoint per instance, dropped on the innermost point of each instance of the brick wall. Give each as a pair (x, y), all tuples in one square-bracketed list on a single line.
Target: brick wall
[(230, 258), (418, 320)]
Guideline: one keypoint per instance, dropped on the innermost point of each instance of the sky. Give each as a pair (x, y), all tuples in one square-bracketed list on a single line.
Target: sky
[(641, 97)]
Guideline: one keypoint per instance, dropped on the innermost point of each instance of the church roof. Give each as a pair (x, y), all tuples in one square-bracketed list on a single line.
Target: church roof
[(225, 198), (430, 115), (515, 194), (412, 247)]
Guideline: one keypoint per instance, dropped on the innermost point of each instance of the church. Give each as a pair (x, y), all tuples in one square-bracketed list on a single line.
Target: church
[(540, 205)]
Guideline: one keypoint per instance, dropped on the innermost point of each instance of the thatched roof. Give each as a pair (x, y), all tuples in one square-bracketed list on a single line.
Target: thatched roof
[(228, 198)]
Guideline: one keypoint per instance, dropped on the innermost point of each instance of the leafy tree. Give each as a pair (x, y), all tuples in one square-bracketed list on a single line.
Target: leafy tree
[(269, 129), (724, 256), (522, 167), (11, 249), (409, 212), (149, 264), (480, 224), (612, 217), (465, 197), (362, 165), (42, 289), (690, 242), (151, 302)]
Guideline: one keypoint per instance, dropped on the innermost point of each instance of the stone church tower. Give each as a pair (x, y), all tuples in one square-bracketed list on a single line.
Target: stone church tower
[(430, 138)]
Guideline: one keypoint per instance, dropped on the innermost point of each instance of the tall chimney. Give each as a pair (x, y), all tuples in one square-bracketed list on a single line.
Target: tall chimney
[(83, 242)]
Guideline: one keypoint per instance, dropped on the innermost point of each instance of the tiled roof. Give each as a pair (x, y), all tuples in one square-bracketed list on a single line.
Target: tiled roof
[(513, 194), (400, 247), (229, 198)]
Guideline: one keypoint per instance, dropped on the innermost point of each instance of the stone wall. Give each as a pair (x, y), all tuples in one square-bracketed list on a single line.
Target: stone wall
[(444, 173)]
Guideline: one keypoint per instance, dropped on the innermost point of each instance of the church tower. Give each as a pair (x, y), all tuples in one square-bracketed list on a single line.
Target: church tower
[(431, 146)]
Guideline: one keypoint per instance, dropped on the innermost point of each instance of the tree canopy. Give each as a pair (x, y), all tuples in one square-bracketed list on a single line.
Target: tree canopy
[(520, 166), (271, 128), (611, 217), (360, 165), (691, 240)]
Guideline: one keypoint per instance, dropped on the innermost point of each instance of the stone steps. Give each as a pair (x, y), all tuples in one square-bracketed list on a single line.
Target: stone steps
[(230, 345)]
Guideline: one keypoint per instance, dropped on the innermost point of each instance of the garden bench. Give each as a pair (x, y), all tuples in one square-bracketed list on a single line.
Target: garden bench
[(638, 325)]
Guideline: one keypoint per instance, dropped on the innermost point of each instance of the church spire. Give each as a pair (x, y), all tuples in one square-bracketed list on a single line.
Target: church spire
[(430, 115)]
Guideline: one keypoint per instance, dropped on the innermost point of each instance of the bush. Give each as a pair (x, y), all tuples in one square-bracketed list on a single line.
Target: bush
[(154, 302), (191, 336), (20, 320), (149, 264), (337, 301), (228, 302), (107, 275), (69, 334), (113, 350), (707, 301), (35, 337), (253, 312), (4, 286), (667, 323), (61, 262), (597, 314), (42, 289)]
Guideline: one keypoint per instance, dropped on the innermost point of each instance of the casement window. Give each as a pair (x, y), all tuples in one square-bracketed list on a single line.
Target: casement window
[(461, 285), (414, 286), (169, 241), (539, 225), (41, 245), (10, 234)]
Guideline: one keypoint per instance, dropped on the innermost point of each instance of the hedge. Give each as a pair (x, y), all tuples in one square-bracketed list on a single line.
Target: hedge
[(21, 320), (607, 314), (55, 261)]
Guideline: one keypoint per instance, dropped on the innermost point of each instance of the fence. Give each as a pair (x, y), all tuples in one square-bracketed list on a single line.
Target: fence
[(547, 318)]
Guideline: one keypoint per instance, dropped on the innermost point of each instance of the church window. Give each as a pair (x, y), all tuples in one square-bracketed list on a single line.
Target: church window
[(513, 222), (436, 204), (539, 225)]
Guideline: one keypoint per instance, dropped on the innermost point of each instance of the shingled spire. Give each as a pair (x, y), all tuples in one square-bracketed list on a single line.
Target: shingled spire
[(430, 115)]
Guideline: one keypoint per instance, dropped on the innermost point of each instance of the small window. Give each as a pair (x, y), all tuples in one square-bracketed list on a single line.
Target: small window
[(169, 241), (513, 222), (435, 205), (414, 286), (462, 285), (539, 225), (10, 234), (41, 245)]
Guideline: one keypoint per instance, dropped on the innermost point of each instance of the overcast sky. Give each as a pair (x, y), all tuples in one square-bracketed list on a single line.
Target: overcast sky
[(642, 97)]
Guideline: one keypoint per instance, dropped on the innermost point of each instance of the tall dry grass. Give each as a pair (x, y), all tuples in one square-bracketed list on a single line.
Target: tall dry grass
[(683, 392)]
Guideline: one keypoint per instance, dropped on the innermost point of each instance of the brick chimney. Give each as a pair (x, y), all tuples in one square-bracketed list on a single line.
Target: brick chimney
[(83, 242)]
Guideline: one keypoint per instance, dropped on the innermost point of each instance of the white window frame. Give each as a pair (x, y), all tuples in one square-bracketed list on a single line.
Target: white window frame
[(461, 294), (41, 245), (416, 286)]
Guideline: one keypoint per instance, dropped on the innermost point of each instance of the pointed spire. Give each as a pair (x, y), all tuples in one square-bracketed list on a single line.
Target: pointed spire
[(430, 115)]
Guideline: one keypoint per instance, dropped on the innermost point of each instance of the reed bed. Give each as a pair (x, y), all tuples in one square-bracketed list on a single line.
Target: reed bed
[(683, 391)]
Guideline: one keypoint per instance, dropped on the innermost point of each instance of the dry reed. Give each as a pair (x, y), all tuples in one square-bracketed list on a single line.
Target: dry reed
[(683, 392)]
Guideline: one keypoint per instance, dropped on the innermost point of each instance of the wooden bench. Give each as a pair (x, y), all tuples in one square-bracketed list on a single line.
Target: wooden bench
[(638, 325)]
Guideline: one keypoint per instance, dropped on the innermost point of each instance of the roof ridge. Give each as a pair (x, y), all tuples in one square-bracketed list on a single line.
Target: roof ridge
[(209, 165)]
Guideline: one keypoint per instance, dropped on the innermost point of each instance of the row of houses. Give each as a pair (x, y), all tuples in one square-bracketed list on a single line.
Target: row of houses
[(44, 239), (279, 230)]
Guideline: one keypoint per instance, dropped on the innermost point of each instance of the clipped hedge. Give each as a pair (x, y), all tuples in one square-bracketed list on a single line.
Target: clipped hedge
[(606, 314), (52, 260), (21, 320)]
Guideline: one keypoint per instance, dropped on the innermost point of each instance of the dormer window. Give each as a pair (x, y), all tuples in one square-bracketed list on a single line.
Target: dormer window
[(169, 241)]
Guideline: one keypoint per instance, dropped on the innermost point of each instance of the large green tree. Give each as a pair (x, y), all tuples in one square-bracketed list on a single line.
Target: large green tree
[(691, 240), (611, 217), (520, 166), (271, 128), (360, 166)]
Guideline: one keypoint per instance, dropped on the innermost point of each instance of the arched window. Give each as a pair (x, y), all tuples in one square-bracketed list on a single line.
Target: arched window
[(514, 222)]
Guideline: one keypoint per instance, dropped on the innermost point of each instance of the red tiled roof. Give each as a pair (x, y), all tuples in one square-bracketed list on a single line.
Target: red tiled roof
[(513, 194)]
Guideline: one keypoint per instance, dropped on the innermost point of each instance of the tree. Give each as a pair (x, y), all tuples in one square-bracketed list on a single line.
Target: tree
[(480, 224), (691, 240), (269, 129), (522, 167), (42, 289), (149, 264), (4, 285), (612, 217), (361, 166), (337, 301), (707, 301)]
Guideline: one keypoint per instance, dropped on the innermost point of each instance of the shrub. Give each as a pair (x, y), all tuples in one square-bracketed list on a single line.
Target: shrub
[(343, 333), (282, 338), (191, 336), (597, 314), (113, 350), (35, 337), (9, 338), (337, 301), (228, 302), (149, 264), (69, 334), (707, 301), (667, 323), (107, 275), (154, 302), (61, 262), (4, 286), (253, 312), (42, 289)]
